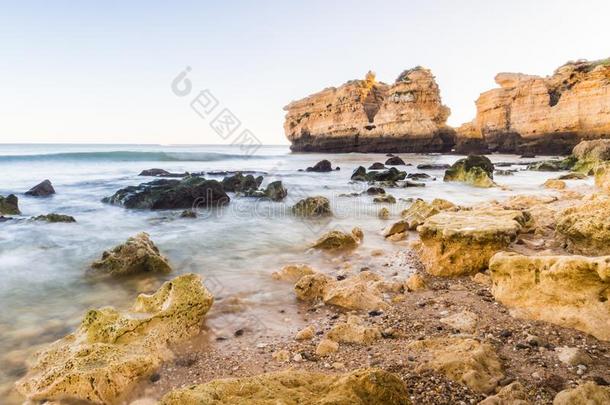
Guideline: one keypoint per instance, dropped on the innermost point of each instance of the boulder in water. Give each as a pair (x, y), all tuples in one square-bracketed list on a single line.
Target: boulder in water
[(476, 170), (42, 189), (377, 166), (54, 218), (138, 255), (240, 183), (275, 191), (312, 207), (112, 350), (189, 192), (321, 166), (395, 161), (9, 205), (337, 240)]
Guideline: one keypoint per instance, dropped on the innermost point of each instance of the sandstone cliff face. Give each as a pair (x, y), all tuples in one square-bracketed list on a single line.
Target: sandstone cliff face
[(541, 115), (369, 116)]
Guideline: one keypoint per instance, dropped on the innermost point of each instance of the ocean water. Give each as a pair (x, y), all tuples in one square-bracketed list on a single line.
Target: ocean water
[(45, 285)]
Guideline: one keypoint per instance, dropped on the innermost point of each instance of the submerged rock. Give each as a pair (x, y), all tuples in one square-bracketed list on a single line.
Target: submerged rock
[(54, 218), (385, 198), (317, 206), (602, 177), (587, 393), (337, 240), (433, 166), (360, 387), (275, 191), (383, 213), (391, 174), (240, 183), (111, 351), (571, 291), (419, 176), (552, 165), (462, 242), (162, 173), (9, 205), (188, 214), (585, 228), (467, 361), (189, 192), (377, 166), (42, 189), (375, 191), (363, 291), (572, 176), (475, 170), (138, 255), (395, 161), (321, 166)]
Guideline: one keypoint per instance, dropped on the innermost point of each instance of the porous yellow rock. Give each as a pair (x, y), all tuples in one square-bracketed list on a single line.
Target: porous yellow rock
[(462, 242), (362, 291), (292, 272), (360, 387), (111, 350), (512, 394), (137, 255), (337, 240), (570, 291), (415, 215), (464, 321), (415, 282), (585, 228), (555, 184), (588, 393), (326, 347), (306, 333), (467, 361), (354, 331)]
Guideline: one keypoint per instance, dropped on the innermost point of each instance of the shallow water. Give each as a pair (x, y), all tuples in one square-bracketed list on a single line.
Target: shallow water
[(44, 285)]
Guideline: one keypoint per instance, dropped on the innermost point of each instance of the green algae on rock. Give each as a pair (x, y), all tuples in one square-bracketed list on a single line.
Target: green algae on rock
[(137, 255), (475, 170), (111, 350), (317, 206), (590, 154), (9, 205), (360, 387), (54, 218)]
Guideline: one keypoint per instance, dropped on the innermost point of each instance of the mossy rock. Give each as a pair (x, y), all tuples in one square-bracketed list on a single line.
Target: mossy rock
[(360, 387), (475, 170), (317, 206), (9, 205)]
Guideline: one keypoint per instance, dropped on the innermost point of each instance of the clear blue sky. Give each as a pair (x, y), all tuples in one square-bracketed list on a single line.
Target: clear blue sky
[(100, 71)]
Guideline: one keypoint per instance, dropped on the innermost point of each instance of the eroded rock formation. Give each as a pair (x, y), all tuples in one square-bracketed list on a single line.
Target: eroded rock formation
[(102, 360), (370, 116), (570, 291), (541, 114)]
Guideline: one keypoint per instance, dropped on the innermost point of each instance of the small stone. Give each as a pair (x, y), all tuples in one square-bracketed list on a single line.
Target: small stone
[(297, 358), (282, 356), (306, 333), (326, 347)]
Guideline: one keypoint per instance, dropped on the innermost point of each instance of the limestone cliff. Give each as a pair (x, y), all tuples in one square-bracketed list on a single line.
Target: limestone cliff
[(370, 116), (541, 114)]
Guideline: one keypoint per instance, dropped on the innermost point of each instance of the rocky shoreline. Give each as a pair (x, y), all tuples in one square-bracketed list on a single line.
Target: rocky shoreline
[(500, 302), (527, 114)]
